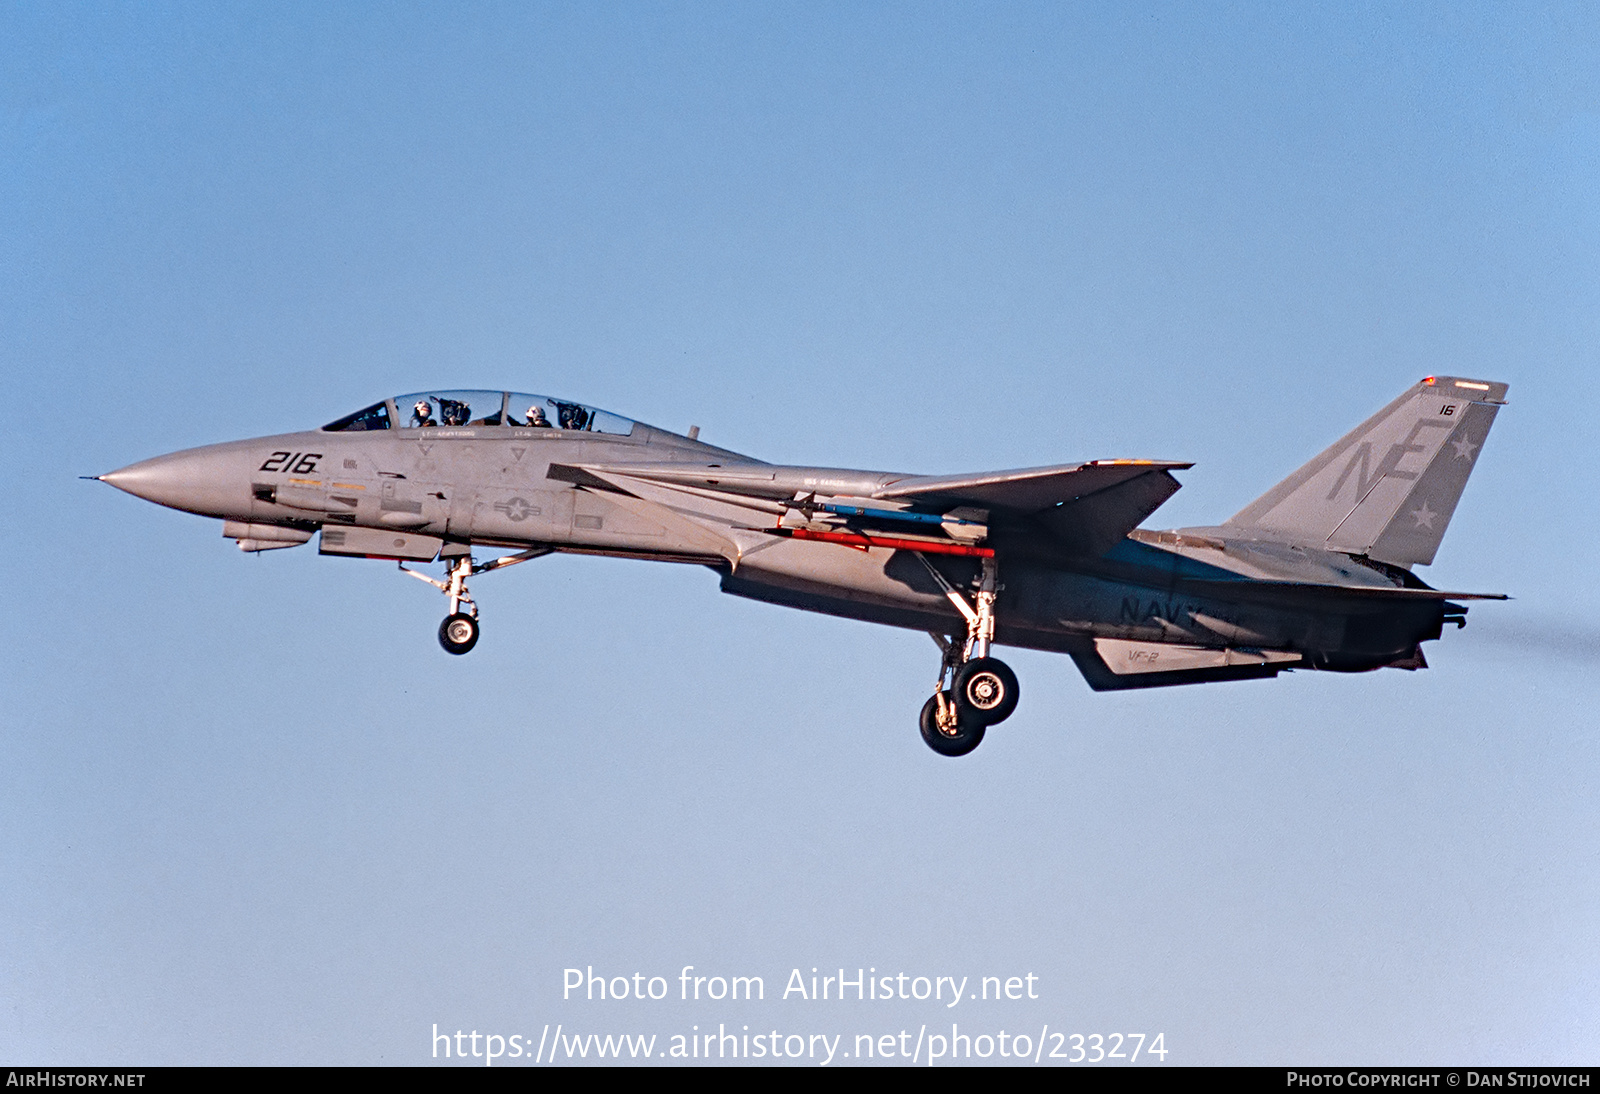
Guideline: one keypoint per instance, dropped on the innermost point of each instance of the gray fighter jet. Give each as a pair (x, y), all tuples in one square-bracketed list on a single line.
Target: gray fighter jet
[(1314, 574)]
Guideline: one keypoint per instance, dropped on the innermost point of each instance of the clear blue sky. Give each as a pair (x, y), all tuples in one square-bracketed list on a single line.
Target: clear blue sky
[(249, 812)]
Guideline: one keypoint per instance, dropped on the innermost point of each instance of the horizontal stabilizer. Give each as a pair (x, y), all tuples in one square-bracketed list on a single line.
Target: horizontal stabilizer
[(1027, 490), (1386, 489), (1309, 591)]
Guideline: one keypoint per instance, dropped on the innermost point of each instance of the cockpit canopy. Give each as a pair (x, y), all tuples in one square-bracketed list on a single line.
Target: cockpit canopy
[(475, 409)]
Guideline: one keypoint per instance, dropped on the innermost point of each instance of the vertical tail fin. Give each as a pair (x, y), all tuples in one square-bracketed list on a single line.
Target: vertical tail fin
[(1387, 488)]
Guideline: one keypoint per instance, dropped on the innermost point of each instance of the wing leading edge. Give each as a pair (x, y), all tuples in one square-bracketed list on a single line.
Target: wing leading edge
[(1086, 507), (1028, 490)]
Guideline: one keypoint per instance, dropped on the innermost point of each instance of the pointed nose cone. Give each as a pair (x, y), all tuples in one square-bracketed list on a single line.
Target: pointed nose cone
[(213, 481), (160, 480)]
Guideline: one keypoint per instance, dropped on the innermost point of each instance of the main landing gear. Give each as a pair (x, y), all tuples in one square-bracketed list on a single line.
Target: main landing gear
[(459, 631), (982, 690)]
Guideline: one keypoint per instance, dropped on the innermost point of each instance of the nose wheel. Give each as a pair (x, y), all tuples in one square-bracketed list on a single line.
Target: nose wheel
[(974, 691), (459, 631)]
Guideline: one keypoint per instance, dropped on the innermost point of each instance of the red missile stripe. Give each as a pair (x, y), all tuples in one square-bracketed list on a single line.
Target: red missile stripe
[(861, 542)]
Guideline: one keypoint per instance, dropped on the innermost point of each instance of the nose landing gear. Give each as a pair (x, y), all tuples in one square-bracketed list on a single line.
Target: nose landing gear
[(459, 631), (982, 690)]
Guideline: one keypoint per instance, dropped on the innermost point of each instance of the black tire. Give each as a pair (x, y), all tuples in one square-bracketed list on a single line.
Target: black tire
[(967, 735), (985, 691), (458, 633)]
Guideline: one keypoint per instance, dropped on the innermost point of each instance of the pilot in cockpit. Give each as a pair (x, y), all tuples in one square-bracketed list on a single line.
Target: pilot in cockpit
[(536, 418), (422, 415)]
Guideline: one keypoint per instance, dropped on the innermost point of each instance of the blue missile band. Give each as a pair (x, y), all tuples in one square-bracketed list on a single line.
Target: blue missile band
[(888, 514)]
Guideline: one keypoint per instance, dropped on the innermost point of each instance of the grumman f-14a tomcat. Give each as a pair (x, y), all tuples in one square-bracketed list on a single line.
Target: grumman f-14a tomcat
[(1314, 574)]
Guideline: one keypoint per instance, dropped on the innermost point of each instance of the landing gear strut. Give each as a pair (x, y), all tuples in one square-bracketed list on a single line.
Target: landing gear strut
[(459, 631), (982, 690)]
